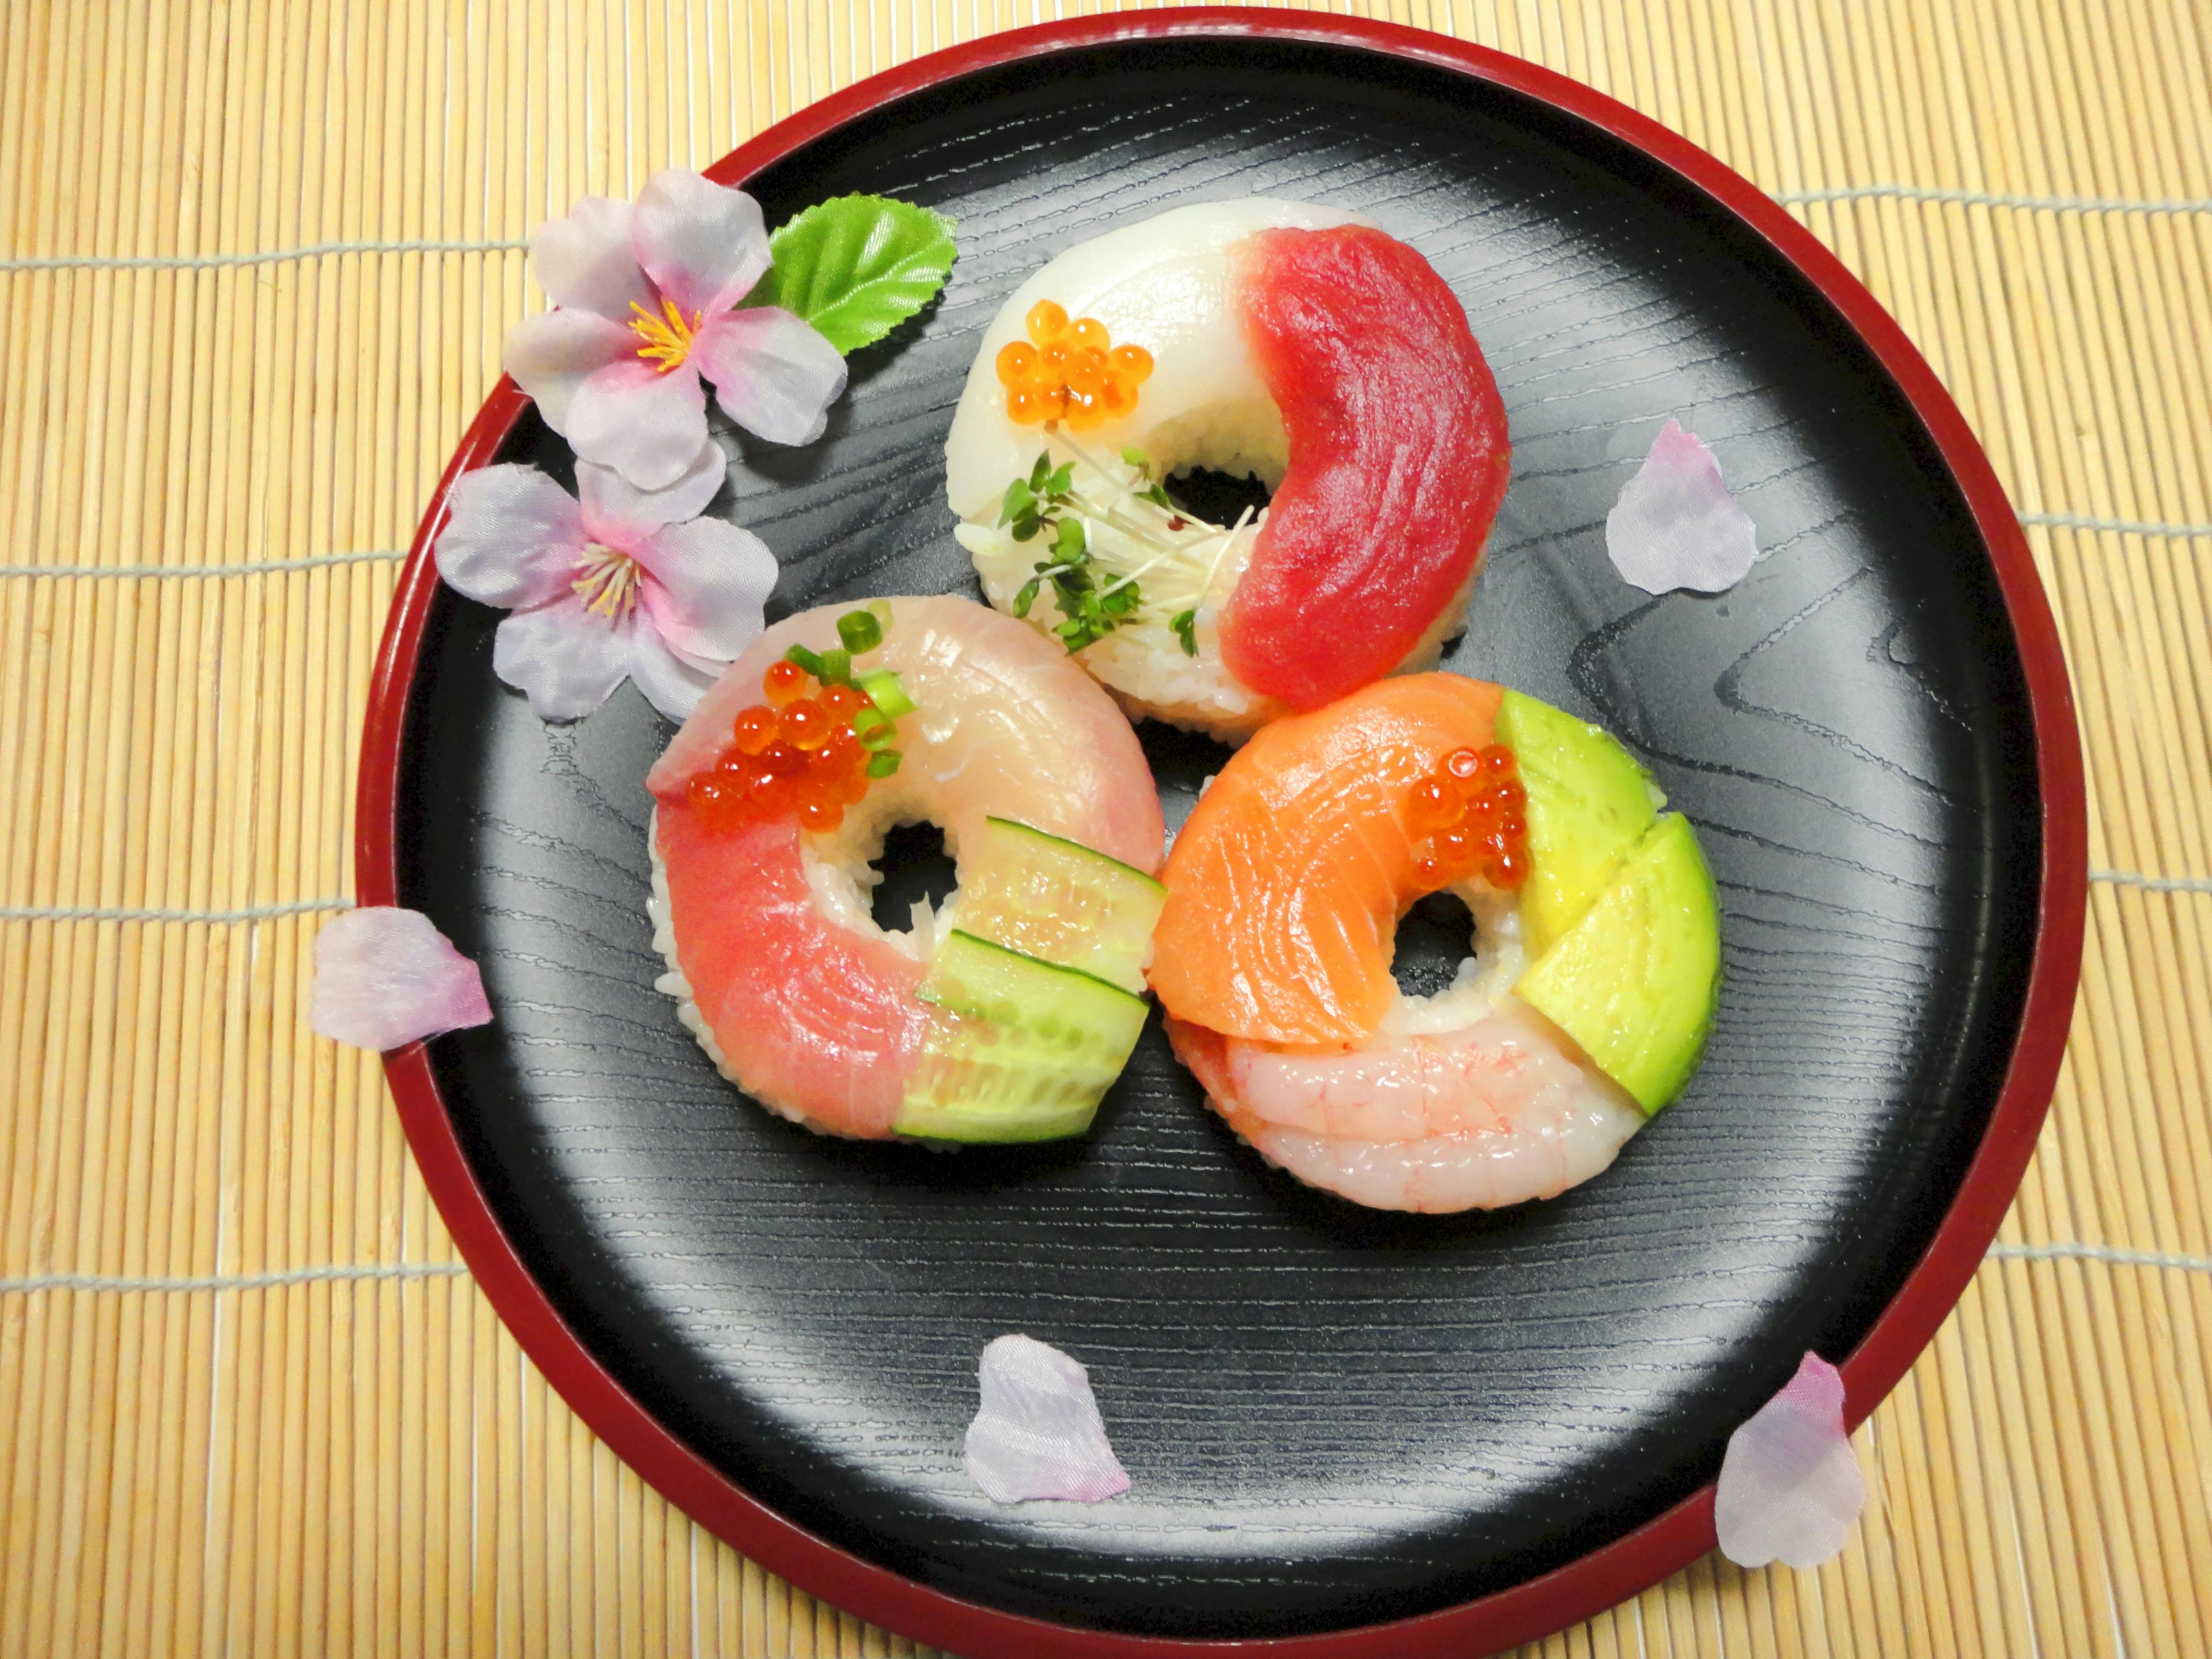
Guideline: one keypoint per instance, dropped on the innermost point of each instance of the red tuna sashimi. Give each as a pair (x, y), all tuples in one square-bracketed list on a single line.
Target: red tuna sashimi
[(1398, 461), (813, 1019)]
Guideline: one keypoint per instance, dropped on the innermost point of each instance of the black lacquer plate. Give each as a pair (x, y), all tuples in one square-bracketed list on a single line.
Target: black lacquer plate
[(1332, 1417)]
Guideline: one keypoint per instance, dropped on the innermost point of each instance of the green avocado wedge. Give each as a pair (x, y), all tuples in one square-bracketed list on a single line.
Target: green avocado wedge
[(1637, 979), (1590, 804)]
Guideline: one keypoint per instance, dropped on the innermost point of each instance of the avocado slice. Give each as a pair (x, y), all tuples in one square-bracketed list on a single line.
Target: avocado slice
[(1635, 982), (1590, 804)]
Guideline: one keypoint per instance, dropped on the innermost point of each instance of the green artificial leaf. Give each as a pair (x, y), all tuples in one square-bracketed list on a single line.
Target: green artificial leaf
[(857, 266)]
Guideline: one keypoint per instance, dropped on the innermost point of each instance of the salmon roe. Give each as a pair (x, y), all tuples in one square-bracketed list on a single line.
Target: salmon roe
[(1465, 816), (798, 756), (1069, 371)]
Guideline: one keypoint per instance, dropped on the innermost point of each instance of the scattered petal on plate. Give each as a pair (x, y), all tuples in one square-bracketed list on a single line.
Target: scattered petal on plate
[(386, 977), (1790, 1486), (1676, 524), (1038, 1434)]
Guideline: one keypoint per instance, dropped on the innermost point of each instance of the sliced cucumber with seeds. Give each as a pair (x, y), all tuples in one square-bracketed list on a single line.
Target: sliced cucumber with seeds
[(1020, 1049), (1060, 901)]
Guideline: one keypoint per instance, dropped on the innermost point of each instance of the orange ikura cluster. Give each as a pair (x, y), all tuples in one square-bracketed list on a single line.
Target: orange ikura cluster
[(807, 757), (1465, 817), (1070, 372)]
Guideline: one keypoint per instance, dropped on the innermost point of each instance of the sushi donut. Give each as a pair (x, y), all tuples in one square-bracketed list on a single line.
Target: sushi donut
[(1583, 1008), (1294, 343), (1004, 1015)]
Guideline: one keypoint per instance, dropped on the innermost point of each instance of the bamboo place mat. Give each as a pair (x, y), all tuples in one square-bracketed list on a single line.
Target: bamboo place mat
[(256, 261)]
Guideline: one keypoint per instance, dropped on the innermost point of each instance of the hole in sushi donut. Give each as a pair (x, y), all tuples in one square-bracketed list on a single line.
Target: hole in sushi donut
[(1433, 939), (1216, 496), (1457, 954), (913, 868)]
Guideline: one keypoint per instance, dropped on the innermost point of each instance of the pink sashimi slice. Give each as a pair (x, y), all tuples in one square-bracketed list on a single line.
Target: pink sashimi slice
[(1790, 1486), (385, 977), (1038, 1433), (1399, 458), (813, 1019), (1676, 525)]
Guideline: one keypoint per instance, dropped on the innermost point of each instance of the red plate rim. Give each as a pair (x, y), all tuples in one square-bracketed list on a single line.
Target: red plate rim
[(1604, 1577)]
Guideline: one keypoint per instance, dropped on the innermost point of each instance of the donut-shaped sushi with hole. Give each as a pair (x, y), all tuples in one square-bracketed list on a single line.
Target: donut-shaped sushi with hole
[(1003, 1016), (1296, 345), (1583, 1008)]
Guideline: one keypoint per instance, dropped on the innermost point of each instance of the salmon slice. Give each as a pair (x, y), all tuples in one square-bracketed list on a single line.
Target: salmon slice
[(1286, 884), (1398, 461)]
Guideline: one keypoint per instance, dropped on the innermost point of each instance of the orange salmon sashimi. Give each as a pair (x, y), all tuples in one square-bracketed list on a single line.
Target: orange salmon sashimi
[(1286, 884), (778, 967), (1398, 461), (1286, 341)]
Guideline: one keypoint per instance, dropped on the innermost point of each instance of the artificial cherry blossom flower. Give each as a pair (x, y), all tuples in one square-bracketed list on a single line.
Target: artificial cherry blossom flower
[(611, 583), (385, 976), (646, 302)]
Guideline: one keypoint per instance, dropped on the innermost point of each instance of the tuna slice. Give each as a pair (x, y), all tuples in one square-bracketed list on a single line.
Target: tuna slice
[(1398, 461), (1038, 1434), (1285, 884)]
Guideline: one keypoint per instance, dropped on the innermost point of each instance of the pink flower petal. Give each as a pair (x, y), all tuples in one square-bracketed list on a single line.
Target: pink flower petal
[(514, 539), (673, 681), (1038, 1434), (703, 243), (1790, 1486), (619, 514), (1676, 525), (646, 425), (774, 374), (706, 583), (568, 661), (585, 262), (551, 355), (385, 977)]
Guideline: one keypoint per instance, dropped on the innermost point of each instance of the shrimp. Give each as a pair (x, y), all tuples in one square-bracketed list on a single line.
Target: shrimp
[(1491, 1114)]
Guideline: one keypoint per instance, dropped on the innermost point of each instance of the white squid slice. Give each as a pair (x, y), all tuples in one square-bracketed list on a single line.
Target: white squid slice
[(386, 977), (1038, 1434), (1676, 524), (1790, 1484)]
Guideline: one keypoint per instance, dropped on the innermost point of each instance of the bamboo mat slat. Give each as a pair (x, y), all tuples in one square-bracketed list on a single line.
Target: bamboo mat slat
[(255, 266)]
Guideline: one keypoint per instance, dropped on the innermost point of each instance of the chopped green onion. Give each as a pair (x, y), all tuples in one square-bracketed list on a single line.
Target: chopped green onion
[(884, 690), (836, 667), (861, 631), (879, 737), (881, 610), (868, 719), (805, 658), (881, 765)]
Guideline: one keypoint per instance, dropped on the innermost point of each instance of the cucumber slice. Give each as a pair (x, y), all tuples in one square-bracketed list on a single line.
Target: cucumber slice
[(1060, 901), (1637, 980), (1590, 803), (1022, 1050)]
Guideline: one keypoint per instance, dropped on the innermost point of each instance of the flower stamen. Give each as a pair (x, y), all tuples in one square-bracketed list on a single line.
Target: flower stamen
[(608, 581), (668, 337)]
